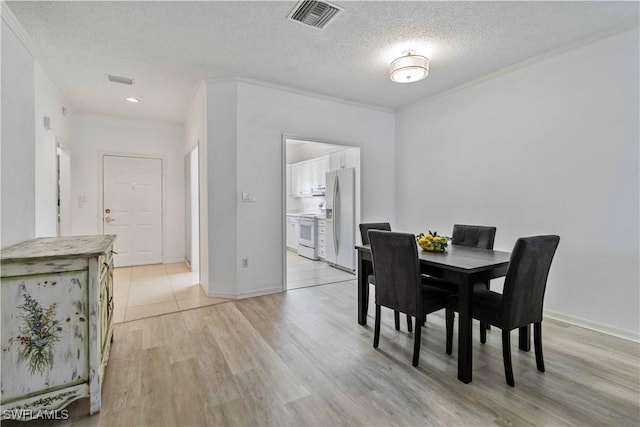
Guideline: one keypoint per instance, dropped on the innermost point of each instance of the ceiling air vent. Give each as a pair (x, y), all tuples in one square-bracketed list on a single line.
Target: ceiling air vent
[(314, 14), (120, 79)]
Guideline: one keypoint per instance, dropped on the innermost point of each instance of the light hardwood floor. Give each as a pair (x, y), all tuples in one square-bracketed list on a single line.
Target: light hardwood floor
[(300, 358)]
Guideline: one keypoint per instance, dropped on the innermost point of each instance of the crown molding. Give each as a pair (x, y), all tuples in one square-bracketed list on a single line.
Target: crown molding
[(295, 91), (525, 63), (10, 19)]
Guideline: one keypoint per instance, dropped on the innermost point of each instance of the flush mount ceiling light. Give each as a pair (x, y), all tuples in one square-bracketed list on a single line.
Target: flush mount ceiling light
[(409, 67), (131, 99)]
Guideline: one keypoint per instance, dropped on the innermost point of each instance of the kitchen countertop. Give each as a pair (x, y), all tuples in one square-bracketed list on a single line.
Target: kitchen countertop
[(298, 214)]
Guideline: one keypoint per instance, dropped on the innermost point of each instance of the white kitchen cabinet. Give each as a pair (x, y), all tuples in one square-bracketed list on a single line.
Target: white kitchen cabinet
[(288, 180), (335, 160), (292, 233), (343, 159), (322, 228), (57, 306), (321, 171), (309, 174), (350, 158), (301, 177)]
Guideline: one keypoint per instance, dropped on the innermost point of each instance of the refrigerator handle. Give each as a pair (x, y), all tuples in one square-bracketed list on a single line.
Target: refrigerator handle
[(335, 215)]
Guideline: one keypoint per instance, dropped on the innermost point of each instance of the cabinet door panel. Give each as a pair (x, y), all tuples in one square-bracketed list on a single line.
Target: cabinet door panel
[(44, 332), (350, 160), (335, 161)]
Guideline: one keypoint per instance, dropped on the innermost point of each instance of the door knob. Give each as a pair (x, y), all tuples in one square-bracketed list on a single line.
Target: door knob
[(108, 219)]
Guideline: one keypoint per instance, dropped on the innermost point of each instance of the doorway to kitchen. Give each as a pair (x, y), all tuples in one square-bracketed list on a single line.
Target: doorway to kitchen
[(322, 210)]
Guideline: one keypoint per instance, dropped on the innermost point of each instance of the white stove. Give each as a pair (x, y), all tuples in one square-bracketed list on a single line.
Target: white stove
[(308, 236)]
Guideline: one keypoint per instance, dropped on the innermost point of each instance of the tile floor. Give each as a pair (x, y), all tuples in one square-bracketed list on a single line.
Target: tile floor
[(152, 290), (303, 272)]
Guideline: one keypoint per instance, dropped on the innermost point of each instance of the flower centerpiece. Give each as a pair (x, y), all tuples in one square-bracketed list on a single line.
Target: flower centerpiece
[(432, 242)]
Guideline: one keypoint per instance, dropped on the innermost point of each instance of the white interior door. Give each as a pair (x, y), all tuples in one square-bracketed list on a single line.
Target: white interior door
[(132, 208)]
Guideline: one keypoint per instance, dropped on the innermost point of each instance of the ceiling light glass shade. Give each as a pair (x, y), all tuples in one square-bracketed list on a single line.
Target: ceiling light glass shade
[(409, 68), (131, 99)]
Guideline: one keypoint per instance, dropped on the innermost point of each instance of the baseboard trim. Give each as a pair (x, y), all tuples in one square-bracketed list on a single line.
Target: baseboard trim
[(226, 295), (243, 295), (261, 292), (594, 326), (174, 260)]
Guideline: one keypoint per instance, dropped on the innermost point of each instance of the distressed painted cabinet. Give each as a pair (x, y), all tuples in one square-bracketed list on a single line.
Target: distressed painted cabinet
[(57, 305)]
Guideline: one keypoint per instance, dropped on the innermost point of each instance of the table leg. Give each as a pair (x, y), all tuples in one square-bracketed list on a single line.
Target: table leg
[(362, 289), (524, 338), (465, 331)]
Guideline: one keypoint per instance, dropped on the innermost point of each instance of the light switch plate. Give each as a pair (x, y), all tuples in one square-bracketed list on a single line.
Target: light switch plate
[(248, 197)]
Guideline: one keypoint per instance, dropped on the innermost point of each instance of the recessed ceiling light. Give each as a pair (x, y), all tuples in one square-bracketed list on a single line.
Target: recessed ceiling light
[(131, 99)]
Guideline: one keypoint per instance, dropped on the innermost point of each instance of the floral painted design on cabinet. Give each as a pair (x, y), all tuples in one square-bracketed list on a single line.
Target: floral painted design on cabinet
[(40, 331), (44, 332)]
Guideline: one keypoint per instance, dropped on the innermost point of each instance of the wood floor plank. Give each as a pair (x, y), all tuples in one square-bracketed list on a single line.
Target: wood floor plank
[(300, 358)]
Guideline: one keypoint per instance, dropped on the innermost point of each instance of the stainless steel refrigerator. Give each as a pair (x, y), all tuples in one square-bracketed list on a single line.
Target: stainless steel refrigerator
[(341, 219)]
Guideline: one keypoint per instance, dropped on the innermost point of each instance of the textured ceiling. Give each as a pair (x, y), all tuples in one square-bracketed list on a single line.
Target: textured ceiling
[(169, 47)]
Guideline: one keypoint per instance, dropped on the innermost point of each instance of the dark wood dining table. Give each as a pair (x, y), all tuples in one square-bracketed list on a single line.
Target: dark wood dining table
[(461, 265)]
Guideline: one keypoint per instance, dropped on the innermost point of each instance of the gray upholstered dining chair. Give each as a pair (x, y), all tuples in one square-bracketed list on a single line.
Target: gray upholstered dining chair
[(522, 298), (477, 236), (371, 279), (399, 285)]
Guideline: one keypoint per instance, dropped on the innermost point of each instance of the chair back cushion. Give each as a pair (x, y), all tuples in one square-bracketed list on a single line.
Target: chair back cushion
[(364, 229), (526, 280), (397, 270), (478, 236)]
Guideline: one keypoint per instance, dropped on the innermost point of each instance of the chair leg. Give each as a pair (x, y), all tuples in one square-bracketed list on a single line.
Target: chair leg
[(483, 332), (416, 344), (537, 343), (376, 330), (487, 325), (366, 301), (506, 356), (396, 316), (449, 315), (409, 323)]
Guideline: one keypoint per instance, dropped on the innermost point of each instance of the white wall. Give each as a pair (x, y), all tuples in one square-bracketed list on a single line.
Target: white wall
[(264, 114), (49, 102), (92, 134), (221, 178), (18, 140), (549, 148)]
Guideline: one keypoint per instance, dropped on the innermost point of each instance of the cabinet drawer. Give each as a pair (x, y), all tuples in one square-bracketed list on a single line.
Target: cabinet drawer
[(322, 223), (322, 230), (321, 252), (321, 240)]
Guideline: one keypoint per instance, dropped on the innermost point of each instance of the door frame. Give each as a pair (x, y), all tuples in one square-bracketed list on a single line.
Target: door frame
[(163, 161), (283, 189), (197, 223)]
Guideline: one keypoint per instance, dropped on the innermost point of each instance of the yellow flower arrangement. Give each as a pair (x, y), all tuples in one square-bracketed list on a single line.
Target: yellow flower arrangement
[(432, 242)]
